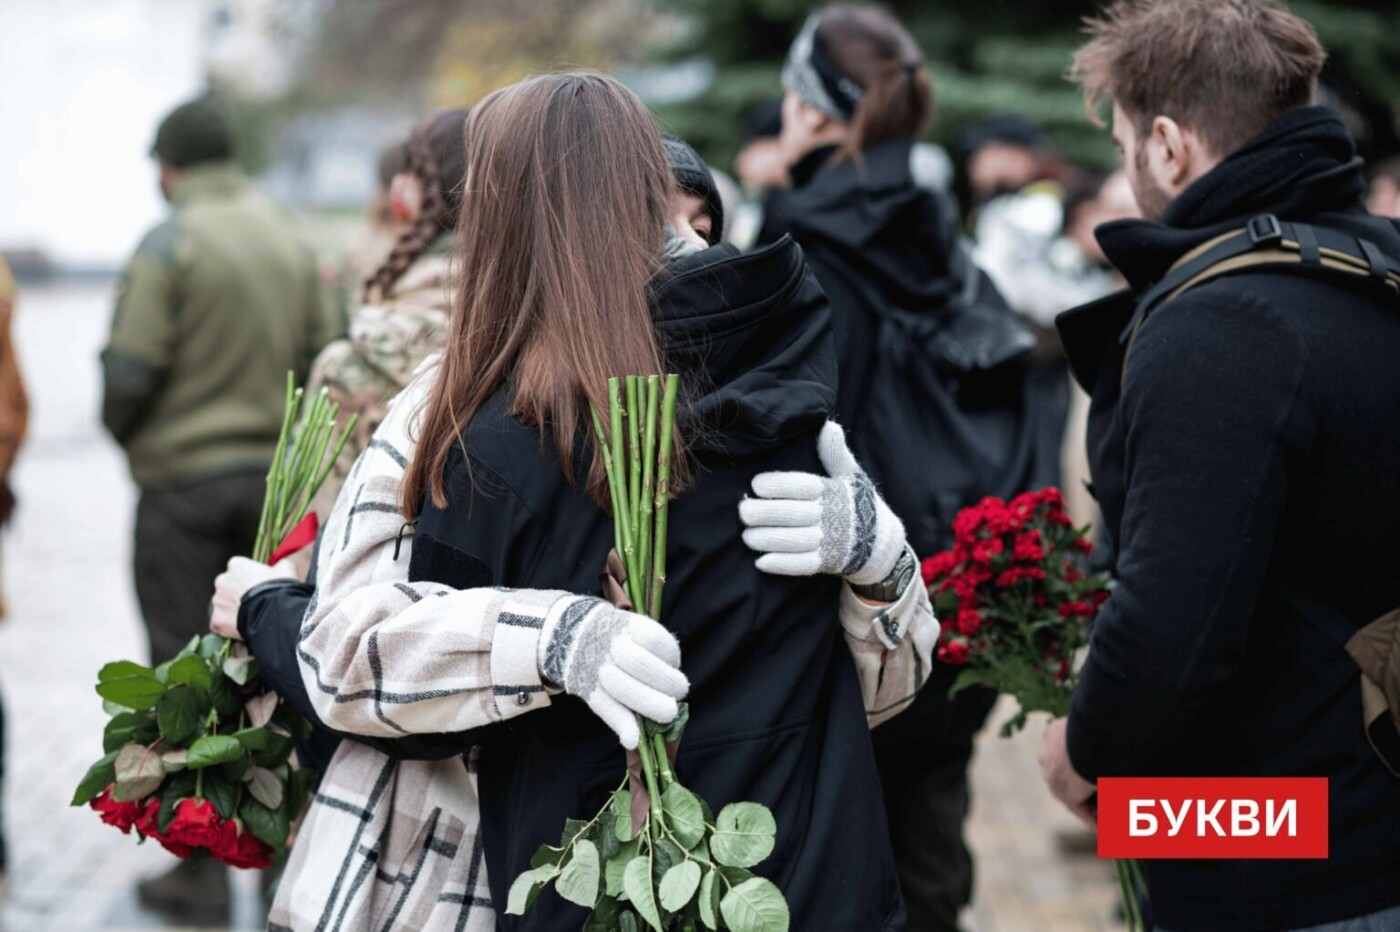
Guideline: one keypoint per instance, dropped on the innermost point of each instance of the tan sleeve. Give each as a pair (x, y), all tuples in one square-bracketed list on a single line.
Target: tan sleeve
[(890, 679)]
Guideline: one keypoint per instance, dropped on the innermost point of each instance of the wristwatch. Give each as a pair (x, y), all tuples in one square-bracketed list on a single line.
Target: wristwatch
[(892, 586)]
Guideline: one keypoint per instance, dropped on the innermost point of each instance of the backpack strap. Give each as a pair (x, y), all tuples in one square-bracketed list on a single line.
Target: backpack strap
[(1265, 242)]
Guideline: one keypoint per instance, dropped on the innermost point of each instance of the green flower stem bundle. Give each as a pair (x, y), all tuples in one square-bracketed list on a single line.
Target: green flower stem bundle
[(671, 865), (299, 466), (198, 750)]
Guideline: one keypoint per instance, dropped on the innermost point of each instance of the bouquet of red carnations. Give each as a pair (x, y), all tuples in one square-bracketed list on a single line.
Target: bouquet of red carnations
[(1016, 600), (198, 750), (1018, 603)]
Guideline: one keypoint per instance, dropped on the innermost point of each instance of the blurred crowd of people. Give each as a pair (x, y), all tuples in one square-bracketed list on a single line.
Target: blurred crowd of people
[(918, 292)]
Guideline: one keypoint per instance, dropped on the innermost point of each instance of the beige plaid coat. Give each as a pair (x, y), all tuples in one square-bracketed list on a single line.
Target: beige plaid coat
[(393, 845)]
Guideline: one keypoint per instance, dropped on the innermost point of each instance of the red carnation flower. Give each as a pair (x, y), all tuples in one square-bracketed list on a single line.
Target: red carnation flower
[(1028, 547), (938, 566), (122, 815), (968, 623), (953, 652), (1076, 610)]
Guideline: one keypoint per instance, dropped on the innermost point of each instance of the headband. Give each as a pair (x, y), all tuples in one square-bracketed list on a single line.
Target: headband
[(812, 74)]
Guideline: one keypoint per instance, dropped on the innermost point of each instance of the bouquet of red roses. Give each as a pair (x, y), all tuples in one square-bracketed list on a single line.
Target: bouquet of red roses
[(198, 751), (1016, 599)]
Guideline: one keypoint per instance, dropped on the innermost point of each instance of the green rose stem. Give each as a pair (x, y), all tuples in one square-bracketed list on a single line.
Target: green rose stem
[(634, 447), (619, 482), (663, 494), (260, 550), (651, 393)]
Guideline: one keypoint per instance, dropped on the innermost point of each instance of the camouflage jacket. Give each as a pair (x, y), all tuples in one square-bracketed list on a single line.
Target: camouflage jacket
[(386, 342)]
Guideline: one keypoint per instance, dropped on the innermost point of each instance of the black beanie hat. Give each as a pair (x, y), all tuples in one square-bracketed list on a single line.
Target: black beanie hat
[(693, 176), (193, 132)]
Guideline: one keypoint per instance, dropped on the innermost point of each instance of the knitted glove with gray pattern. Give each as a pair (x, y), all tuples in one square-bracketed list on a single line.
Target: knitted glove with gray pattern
[(804, 524), (621, 664)]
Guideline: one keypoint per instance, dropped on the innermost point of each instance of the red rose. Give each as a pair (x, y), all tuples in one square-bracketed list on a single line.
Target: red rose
[(938, 566), (196, 823), (953, 652), (240, 848), (968, 623), (145, 820), (122, 815), (1083, 545), (1063, 673), (1099, 598), (146, 823)]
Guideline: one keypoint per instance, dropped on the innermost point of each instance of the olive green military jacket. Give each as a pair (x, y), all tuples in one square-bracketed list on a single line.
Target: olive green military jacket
[(217, 304)]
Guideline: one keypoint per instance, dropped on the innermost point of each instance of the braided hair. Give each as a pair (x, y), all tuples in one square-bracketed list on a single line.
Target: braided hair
[(436, 154)]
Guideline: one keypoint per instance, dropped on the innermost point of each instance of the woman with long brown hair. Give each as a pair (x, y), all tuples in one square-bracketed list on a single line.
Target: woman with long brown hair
[(934, 383), (567, 193)]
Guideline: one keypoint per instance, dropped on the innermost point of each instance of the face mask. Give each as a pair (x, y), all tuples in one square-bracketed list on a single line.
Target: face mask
[(674, 247)]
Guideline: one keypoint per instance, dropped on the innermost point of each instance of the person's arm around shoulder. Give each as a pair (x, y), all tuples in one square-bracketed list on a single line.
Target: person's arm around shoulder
[(804, 524), (383, 656), (1215, 402), (141, 347)]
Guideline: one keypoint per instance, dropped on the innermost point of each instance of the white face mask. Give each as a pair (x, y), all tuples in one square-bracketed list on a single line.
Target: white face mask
[(674, 247)]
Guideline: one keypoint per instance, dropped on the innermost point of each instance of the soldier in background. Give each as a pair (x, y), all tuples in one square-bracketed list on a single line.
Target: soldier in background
[(219, 302), (403, 316)]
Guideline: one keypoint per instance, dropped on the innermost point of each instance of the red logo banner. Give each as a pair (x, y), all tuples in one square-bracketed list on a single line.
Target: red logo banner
[(1212, 817)]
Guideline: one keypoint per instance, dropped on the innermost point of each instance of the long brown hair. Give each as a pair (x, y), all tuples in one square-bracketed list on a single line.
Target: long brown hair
[(567, 194), (877, 52), (435, 154)]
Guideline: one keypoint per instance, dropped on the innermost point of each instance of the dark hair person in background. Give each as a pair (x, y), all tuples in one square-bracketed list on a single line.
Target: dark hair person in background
[(402, 317), (1243, 441), (933, 379)]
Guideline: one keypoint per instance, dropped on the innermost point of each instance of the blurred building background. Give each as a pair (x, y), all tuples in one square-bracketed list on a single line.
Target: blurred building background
[(318, 86)]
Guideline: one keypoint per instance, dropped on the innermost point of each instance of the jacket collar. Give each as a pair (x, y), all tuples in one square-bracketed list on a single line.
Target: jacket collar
[(1301, 165), (208, 179), (750, 334)]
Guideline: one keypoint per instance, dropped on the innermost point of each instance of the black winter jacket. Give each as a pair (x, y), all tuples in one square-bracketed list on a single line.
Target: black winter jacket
[(1249, 464), (936, 392), (776, 712)]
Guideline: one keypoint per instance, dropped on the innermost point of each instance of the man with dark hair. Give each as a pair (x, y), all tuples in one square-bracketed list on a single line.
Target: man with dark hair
[(218, 303), (1244, 449)]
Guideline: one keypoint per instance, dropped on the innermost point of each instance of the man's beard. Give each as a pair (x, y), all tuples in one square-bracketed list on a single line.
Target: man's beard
[(1151, 199)]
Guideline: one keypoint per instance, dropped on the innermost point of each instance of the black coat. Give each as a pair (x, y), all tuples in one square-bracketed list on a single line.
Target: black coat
[(936, 390), (1249, 464), (776, 712)]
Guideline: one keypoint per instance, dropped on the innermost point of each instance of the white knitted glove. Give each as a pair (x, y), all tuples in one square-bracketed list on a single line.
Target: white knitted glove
[(621, 663), (804, 524)]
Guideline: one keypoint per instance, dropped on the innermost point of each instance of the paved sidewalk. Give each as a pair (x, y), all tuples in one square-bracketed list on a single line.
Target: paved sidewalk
[(72, 608)]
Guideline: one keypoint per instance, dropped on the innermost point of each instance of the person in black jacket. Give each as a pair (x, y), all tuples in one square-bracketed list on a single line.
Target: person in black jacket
[(934, 380), (1246, 458)]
